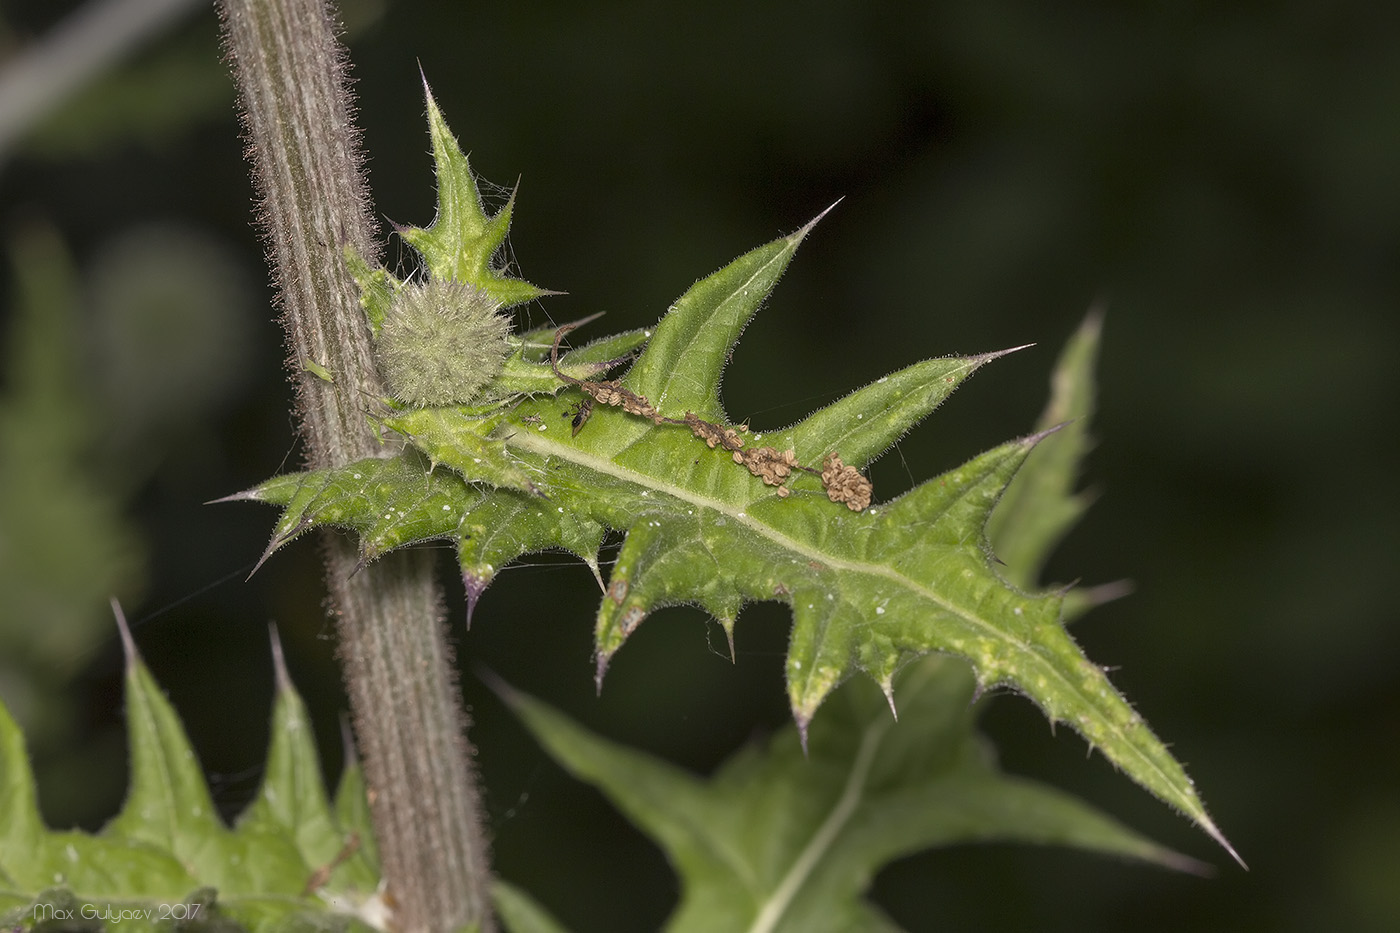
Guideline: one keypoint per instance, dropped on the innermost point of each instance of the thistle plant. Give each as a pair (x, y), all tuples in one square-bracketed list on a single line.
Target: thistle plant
[(872, 584), (504, 443), (871, 587)]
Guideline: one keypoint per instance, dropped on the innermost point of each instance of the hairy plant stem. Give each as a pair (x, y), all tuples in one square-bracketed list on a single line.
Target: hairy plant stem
[(292, 80)]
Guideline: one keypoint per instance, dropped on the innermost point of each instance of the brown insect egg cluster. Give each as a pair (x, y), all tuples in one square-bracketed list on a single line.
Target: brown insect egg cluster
[(842, 483), (612, 393), (770, 465), (712, 434), (845, 483)]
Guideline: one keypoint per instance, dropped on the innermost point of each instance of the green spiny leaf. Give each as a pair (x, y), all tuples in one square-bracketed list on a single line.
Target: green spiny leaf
[(681, 367), (20, 825), (496, 528), (65, 545), (462, 242), (169, 848), (536, 345), (292, 800), (777, 840), (393, 502), (168, 805), (388, 502), (464, 442), (867, 422), (871, 589)]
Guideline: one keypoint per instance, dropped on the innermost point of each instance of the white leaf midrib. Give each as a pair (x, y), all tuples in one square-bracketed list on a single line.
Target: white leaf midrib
[(547, 447)]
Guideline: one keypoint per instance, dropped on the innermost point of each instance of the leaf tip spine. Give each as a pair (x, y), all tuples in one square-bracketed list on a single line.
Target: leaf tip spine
[(246, 495), (601, 669), (818, 219), (802, 721), (592, 563), (728, 626), (428, 95), (272, 547), (1214, 832), (979, 358), (887, 688), (279, 660), (128, 643), (1030, 440), (475, 585)]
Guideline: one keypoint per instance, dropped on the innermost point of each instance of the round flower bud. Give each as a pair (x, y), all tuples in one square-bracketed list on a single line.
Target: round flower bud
[(441, 343)]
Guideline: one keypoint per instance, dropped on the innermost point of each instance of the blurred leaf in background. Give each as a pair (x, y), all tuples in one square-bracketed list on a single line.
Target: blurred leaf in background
[(97, 394), (65, 545), (169, 341), (110, 73), (150, 101), (110, 368), (96, 375)]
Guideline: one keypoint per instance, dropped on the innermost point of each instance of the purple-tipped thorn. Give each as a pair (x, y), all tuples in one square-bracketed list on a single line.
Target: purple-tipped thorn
[(1214, 832), (271, 549), (601, 670), (802, 721), (1030, 440), (475, 586), (277, 542)]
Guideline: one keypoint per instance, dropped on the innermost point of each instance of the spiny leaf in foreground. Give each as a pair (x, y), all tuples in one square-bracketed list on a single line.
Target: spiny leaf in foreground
[(291, 863), (462, 243), (779, 841), (870, 590)]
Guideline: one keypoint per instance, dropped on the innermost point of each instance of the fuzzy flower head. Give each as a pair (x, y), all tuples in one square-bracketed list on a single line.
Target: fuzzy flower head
[(441, 343)]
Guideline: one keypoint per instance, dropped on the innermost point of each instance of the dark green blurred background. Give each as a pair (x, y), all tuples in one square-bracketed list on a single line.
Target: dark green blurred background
[(1224, 178)]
